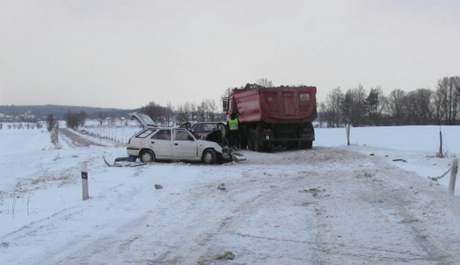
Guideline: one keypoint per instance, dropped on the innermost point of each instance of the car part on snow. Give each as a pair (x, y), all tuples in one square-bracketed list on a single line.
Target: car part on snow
[(124, 162), (237, 157)]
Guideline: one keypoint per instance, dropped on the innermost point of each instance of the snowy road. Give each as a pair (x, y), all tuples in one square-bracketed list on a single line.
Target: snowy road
[(325, 206), (74, 139)]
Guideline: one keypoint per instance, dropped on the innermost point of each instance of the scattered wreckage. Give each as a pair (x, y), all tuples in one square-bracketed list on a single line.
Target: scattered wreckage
[(154, 143)]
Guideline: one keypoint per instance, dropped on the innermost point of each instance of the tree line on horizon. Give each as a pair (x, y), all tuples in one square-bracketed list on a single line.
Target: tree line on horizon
[(206, 110), (361, 107)]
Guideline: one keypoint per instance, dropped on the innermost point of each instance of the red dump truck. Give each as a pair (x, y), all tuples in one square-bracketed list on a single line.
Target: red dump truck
[(273, 116)]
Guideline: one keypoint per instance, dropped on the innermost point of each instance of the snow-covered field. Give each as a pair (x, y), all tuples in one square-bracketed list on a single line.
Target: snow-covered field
[(418, 145), (330, 205)]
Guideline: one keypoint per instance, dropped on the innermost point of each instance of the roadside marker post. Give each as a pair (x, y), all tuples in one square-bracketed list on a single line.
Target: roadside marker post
[(440, 153), (453, 177), (347, 128), (84, 181)]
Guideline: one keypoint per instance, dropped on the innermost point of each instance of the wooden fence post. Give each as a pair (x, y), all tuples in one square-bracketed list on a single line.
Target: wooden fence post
[(348, 133), (84, 181), (453, 176)]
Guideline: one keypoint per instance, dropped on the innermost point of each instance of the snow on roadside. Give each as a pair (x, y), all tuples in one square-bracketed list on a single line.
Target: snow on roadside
[(417, 145)]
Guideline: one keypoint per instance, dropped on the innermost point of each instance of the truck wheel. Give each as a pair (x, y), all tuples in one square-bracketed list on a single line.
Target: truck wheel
[(307, 145), (244, 141), (251, 142), (268, 147), (209, 156), (147, 156), (257, 144)]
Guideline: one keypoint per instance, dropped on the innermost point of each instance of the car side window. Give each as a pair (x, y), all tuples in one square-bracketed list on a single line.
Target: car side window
[(182, 135), (162, 135)]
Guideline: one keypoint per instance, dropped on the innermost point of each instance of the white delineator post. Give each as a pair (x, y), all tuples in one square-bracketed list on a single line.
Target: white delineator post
[(84, 181), (347, 128), (453, 177), (440, 153)]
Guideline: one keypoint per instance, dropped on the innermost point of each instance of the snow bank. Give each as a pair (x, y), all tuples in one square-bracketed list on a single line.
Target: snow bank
[(404, 138)]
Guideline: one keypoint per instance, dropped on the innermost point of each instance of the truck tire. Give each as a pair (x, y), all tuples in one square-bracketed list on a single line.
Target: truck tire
[(257, 143), (306, 145), (243, 139), (251, 141)]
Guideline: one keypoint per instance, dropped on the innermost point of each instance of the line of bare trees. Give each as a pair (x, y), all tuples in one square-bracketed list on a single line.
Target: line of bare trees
[(204, 111), (360, 107), (75, 119)]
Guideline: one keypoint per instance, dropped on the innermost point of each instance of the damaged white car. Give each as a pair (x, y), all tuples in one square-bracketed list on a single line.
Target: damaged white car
[(152, 144)]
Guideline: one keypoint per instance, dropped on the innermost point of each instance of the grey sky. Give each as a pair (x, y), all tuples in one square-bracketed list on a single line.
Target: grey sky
[(124, 53)]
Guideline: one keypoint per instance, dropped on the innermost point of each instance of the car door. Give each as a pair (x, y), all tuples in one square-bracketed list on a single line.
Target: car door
[(161, 144), (184, 145)]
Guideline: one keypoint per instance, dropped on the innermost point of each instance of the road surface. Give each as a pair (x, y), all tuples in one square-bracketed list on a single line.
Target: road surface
[(323, 206)]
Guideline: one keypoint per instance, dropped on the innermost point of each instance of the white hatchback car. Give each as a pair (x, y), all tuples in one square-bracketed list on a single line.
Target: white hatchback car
[(153, 144)]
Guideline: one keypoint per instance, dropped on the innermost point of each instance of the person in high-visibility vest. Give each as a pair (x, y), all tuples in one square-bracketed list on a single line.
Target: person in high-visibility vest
[(233, 126)]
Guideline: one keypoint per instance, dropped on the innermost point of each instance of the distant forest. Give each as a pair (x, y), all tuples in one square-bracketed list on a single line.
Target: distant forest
[(361, 107), (40, 112)]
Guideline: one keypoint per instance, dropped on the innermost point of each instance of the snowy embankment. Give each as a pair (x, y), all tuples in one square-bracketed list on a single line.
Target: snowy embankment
[(417, 145)]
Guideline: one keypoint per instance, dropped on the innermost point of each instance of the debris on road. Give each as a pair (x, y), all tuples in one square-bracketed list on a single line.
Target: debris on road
[(228, 255), (222, 187), (123, 162), (399, 160), (315, 191), (158, 187), (238, 157)]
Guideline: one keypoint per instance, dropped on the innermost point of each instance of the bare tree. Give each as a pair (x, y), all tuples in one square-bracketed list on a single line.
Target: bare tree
[(446, 100), (50, 122), (396, 105), (354, 106), (376, 103), (333, 108)]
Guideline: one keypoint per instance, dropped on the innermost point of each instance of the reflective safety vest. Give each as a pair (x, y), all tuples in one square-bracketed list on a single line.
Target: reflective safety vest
[(233, 124)]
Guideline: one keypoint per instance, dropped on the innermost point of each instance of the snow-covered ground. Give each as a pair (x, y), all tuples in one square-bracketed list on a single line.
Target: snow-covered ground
[(417, 145), (330, 205)]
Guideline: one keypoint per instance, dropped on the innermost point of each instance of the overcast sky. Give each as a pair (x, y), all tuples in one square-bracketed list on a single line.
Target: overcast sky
[(125, 53)]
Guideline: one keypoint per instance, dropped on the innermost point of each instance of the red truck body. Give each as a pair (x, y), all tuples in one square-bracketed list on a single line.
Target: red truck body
[(274, 116), (276, 105)]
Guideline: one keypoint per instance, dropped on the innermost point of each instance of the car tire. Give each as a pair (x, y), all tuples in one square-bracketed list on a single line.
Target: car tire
[(209, 156), (147, 156)]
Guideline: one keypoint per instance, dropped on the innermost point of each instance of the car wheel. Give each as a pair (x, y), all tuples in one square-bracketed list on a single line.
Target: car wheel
[(209, 156), (147, 156)]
